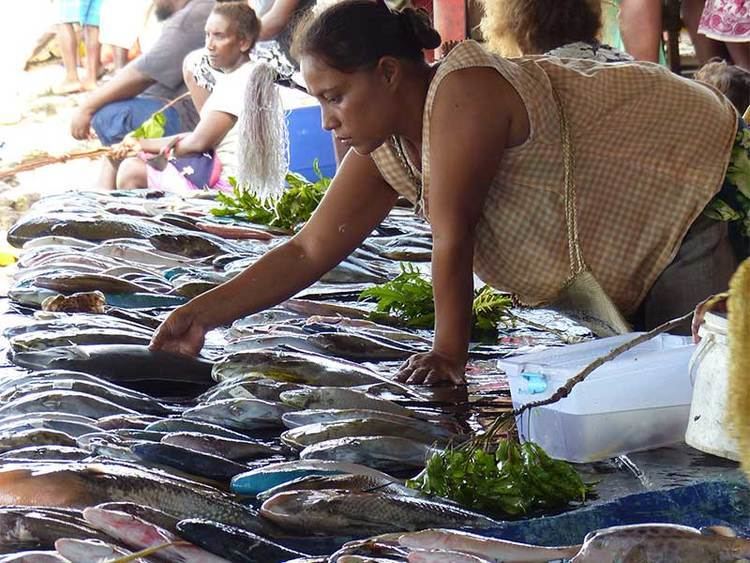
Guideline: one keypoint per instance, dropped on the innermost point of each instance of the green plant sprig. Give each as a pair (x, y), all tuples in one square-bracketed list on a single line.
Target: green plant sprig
[(296, 205), (409, 299), (512, 481)]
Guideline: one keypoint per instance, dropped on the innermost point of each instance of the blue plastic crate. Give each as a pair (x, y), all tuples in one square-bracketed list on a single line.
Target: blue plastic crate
[(308, 141)]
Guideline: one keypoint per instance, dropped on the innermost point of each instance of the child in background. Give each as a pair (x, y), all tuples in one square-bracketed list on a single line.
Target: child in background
[(733, 81)]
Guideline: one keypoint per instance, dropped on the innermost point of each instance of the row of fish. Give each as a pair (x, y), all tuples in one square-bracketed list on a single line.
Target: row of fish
[(288, 429)]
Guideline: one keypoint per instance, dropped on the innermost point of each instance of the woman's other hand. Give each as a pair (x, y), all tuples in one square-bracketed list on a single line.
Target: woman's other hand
[(127, 147), (181, 333), (715, 302), (429, 368)]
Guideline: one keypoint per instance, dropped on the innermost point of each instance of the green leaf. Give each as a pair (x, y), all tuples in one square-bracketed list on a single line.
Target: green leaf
[(296, 205), (509, 482), (152, 128), (739, 171), (719, 210)]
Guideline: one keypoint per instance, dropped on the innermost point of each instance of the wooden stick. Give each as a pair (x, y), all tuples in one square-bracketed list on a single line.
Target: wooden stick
[(47, 159), (565, 390)]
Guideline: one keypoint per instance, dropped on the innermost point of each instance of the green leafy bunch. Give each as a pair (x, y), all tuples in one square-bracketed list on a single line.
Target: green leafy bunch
[(293, 207), (152, 128), (514, 481), (409, 299)]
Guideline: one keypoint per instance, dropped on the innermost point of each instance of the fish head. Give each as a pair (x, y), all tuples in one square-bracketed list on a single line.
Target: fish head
[(297, 398), (304, 509)]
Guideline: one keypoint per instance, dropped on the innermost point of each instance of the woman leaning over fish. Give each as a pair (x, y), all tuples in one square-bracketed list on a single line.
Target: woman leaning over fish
[(570, 183)]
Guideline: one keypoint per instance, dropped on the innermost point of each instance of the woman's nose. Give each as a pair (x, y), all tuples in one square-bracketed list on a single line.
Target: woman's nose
[(328, 120)]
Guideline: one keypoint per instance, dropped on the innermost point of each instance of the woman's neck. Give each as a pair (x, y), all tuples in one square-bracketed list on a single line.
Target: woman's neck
[(245, 57), (415, 87)]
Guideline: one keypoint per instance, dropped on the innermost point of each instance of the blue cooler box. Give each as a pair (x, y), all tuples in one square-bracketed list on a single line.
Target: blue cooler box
[(309, 141)]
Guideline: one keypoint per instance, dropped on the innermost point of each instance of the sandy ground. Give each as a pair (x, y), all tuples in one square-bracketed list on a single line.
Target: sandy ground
[(42, 125)]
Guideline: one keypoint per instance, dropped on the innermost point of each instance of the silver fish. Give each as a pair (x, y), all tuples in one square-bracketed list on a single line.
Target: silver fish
[(81, 403), (387, 453), (340, 397), (349, 483), (310, 434), (243, 414)]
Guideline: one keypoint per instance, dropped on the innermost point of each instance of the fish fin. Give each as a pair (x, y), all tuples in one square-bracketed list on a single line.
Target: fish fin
[(723, 531)]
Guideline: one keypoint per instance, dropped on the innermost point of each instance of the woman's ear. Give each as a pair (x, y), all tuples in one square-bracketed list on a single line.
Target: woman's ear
[(390, 69)]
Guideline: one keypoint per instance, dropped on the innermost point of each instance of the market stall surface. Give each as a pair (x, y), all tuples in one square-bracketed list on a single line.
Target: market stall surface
[(261, 381)]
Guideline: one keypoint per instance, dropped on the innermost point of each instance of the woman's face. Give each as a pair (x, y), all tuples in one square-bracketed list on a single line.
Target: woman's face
[(358, 106), (226, 47)]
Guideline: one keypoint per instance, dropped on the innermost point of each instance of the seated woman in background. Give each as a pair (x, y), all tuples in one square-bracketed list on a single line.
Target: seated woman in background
[(562, 28), (207, 156)]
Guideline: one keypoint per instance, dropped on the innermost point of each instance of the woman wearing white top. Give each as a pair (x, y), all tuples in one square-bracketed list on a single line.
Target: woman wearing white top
[(205, 157)]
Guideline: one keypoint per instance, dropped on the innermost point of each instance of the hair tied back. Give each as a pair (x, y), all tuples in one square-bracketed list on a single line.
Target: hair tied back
[(417, 21)]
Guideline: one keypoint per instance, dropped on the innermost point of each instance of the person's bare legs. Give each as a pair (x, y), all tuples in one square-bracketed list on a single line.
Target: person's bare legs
[(705, 48), (640, 27), (107, 174), (132, 174), (740, 54), (93, 56), (68, 39)]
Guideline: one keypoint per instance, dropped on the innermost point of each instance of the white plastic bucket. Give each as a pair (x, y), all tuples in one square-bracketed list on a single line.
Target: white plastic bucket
[(709, 371)]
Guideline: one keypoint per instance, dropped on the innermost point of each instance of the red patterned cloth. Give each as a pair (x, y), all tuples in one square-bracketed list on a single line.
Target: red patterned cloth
[(726, 20)]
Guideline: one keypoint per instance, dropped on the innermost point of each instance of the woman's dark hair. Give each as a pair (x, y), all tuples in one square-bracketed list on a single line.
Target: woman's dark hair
[(248, 24), (533, 27), (731, 80), (354, 34)]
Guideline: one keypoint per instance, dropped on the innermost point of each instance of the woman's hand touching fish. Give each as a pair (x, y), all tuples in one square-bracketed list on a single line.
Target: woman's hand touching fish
[(180, 333), (429, 368)]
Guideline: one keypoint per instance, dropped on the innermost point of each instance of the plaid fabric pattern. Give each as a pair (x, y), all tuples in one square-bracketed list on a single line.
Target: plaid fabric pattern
[(650, 149)]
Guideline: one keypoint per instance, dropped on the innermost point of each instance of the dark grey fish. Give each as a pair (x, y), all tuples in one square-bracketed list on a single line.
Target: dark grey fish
[(129, 421), (24, 528), (32, 422), (185, 425), (228, 448), (157, 373), (35, 437), (42, 453), (189, 245), (359, 347), (42, 340), (188, 461), (122, 396), (78, 282), (89, 227), (87, 405), (233, 543), (264, 389)]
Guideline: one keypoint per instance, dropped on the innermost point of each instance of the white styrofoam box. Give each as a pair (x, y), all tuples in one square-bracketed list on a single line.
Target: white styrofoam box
[(637, 401)]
